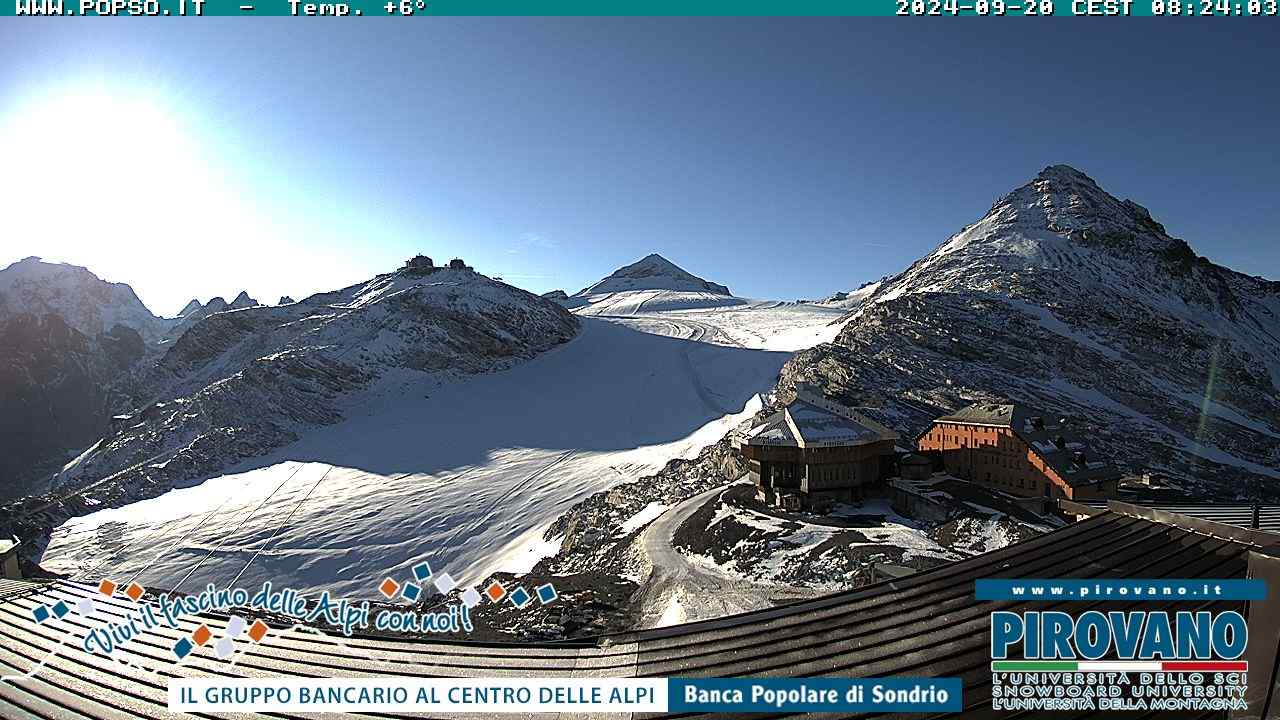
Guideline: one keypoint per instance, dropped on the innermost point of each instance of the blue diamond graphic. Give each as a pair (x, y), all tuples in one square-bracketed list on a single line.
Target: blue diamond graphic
[(411, 592), (41, 613), (422, 571), (520, 597), (546, 593), (60, 610), (182, 648)]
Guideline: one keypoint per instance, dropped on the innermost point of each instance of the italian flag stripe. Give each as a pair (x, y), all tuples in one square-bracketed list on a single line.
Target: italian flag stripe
[(1117, 666)]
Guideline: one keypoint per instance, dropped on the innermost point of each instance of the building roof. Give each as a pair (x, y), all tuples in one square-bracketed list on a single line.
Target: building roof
[(1239, 515), (986, 414), (1061, 448), (926, 624), (811, 420)]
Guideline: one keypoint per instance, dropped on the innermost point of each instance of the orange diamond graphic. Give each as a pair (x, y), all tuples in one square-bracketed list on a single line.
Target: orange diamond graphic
[(495, 591), (134, 591), (201, 635), (106, 587), (258, 630), (389, 588)]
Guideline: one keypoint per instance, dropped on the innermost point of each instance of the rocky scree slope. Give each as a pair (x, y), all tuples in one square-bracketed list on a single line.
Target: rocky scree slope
[(1067, 298)]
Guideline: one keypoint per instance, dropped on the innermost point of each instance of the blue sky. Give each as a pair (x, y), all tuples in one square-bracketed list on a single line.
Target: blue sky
[(783, 157)]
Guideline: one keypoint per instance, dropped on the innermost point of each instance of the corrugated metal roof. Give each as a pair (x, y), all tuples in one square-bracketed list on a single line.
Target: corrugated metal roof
[(927, 624), (1238, 515)]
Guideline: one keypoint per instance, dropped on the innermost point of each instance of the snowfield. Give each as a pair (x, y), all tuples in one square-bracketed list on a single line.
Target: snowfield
[(465, 473)]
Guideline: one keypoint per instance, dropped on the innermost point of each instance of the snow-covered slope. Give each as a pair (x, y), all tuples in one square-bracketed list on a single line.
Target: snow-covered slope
[(636, 302), (87, 303), (1070, 299), (467, 472), (242, 382)]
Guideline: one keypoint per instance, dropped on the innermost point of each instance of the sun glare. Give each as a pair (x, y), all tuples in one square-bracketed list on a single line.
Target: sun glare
[(76, 162), (116, 182)]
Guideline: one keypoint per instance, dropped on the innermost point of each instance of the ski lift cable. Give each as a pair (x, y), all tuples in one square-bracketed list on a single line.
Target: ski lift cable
[(280, 528), (241, 524), (180, 540)]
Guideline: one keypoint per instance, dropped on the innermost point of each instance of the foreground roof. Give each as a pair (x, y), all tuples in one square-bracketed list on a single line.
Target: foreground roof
[(927, 624)]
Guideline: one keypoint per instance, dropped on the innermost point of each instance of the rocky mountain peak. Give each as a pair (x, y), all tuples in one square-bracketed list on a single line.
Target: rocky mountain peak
[(654, 272), (1065, 174), (190, 307), (243, 301), (1064, 200)]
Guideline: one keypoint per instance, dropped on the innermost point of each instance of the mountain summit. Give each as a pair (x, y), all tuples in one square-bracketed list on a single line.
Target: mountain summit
[(87, 303), (1069, 299), (653, 272)]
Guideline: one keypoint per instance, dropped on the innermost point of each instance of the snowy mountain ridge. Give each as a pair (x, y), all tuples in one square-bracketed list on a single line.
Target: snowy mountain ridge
[(1067, 298), (87, 303), (241, 382)]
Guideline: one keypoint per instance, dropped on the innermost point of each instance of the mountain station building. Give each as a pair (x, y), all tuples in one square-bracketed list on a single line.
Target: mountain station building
[(814, 453), (1016, 450)]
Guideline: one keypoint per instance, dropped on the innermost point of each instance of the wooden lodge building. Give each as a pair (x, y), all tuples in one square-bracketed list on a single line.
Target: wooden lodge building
[(1013, 449), (814, 453)]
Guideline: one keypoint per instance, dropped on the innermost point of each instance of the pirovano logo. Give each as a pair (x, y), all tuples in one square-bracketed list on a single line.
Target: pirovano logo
[(1119, 660)]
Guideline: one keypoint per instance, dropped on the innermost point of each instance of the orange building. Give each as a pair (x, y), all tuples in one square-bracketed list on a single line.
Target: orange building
[(1018, 451)]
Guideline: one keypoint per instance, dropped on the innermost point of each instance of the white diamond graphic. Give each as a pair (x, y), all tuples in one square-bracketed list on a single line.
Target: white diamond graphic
[(85, 606), (444, 582), (224, 648), (235, 626), (470, 597)]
